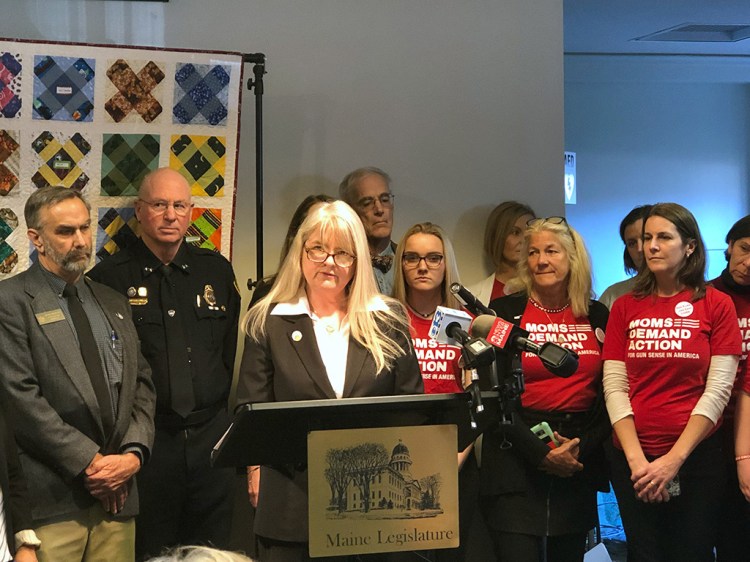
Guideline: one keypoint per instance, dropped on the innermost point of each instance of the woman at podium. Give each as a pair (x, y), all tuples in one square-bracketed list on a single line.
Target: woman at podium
[(322, 332)]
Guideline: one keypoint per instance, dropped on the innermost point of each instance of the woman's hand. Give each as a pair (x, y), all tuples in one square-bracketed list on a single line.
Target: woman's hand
[(253, 484), (650, 482), (563, 460)]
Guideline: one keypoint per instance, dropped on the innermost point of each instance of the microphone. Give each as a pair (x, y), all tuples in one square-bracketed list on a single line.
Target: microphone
[(450, 326), (469, 301), (444, 318), (507, 336)]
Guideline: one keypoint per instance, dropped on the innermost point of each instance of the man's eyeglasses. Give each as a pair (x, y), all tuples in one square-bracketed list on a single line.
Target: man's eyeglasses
[(181, 208), (317, 254), (432, 261), (542, 220), (385, 199)]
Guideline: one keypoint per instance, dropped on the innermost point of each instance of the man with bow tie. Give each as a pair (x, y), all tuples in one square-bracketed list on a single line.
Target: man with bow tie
[(368, 192)]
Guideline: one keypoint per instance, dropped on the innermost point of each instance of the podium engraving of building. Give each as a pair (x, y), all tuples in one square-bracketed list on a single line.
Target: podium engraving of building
[(365, 478)]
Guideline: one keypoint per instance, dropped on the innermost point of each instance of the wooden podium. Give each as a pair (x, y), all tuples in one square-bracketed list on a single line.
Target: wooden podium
[(275, 433)]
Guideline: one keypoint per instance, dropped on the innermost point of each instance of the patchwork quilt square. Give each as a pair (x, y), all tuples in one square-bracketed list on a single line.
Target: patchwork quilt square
[(8, 256), (9, 160), (63, 88), (63, 162), (10, 85), (117, 229), (98, 118), (126, 159), (133, 92), (205, 229), (201, 94), (201, 160)]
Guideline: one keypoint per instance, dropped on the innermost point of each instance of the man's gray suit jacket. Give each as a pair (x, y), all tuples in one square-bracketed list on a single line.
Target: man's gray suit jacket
[(48, 391)]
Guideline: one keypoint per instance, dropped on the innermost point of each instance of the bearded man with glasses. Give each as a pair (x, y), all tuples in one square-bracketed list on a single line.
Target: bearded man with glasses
[(185, 305)]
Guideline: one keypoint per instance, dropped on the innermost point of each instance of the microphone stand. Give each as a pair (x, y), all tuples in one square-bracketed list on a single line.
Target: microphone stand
[(256, 83), (475, 356), (511, 389)]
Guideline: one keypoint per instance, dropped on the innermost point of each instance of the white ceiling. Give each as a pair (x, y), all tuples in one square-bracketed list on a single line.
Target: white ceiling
[(608, 26)]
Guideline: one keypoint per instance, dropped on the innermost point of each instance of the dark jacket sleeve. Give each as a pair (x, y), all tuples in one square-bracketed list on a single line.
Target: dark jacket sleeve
[(229, 349), (255, 379), (598, 427), (408, 377), (19, 507)]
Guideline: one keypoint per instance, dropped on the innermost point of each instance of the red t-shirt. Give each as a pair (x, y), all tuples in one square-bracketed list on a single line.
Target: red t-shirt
[(742, 305), (498, 290), (545, 391), (667, 344), (438, 362)]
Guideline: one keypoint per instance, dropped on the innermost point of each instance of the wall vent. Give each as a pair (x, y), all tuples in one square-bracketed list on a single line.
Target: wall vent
[(702, 33)]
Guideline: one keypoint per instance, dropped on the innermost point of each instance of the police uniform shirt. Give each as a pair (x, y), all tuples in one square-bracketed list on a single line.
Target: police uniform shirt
[(208, 303)]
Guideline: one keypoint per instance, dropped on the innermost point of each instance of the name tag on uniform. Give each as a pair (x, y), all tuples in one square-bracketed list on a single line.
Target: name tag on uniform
[(50, 316)]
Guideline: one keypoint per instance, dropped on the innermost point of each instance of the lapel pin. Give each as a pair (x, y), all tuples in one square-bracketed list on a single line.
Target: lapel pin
[(171, 313), (296, 335), (132, 292), (119, 315)]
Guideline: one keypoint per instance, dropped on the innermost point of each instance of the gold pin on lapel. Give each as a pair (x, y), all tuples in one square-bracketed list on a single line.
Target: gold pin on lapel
[(296, 335)]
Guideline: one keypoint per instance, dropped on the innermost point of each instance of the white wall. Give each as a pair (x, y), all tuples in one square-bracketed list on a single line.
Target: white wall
[(459, 101), (650, 129)]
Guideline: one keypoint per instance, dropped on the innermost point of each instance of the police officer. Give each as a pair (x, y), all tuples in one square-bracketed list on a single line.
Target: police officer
[(185, 306)]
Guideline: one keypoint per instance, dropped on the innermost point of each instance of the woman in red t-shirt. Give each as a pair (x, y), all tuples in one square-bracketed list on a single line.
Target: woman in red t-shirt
[(422, 283), (540, 499), (670, 360)]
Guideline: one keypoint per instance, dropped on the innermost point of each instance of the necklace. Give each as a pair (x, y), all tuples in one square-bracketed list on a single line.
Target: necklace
[(547, 312), (421, 314)]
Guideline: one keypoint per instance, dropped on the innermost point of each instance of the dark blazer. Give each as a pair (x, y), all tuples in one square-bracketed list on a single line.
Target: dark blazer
[(285, 367), (47, 388), (12, 481)]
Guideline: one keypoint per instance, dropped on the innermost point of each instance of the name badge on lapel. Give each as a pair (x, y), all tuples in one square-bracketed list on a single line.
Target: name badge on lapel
[(50, 316)]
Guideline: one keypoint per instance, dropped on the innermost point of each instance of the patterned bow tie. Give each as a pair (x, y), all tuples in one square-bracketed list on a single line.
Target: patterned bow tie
[(383, 263)]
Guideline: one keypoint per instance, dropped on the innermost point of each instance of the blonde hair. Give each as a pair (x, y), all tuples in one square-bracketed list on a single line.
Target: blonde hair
[(500, 223), (579, 277), (451, 270), (369, 325), (200, 554)]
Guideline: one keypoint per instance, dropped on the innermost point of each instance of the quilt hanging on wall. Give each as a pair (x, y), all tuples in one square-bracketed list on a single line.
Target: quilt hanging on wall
[(98, 118)]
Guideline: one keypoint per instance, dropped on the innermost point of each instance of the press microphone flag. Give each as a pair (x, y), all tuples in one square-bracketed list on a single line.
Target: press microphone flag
[(445, 317), (507, 336)]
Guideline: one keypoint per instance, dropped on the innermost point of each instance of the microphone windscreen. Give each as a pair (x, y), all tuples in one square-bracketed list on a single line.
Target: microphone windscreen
[(495, 330)]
